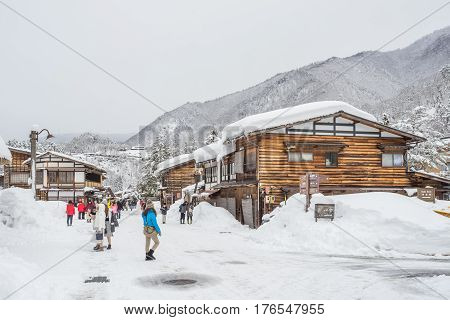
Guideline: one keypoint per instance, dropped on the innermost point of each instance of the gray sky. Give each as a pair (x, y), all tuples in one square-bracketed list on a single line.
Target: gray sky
[(174, 52)]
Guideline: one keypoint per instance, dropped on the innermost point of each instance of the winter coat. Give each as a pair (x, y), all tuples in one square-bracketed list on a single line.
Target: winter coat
[(81, 207), (183, 208), (149, 217), (109, 222), (70, 209), (99, 222), (91, 206)]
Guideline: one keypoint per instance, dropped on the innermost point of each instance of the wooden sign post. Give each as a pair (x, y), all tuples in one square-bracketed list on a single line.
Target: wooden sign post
[(427, 194), (309, 184)]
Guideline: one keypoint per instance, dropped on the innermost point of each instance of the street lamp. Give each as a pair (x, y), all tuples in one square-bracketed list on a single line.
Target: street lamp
[(34, 136)]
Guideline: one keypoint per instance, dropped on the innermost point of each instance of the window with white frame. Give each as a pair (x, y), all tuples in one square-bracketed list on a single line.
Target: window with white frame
[(298, 156), (392, 160)]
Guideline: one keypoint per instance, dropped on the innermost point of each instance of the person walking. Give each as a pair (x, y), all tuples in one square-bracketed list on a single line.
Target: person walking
[(99, 224), (164, 212), (110, 218), (90, 209), (114, 209), (119, 208), (151, 230), (81, 209), (190, 212), (70, 211), (183, 209)]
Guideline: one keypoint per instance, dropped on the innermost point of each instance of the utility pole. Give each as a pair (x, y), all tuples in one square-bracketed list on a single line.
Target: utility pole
[(34, 137)]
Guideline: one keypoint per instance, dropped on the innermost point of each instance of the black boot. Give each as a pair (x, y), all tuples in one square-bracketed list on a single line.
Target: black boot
[(109, 247), (150, 255)]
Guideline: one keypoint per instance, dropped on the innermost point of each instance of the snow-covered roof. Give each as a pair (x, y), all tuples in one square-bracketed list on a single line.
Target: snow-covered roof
[(290, 115), (23, 150), (172, 162), (62, 155), (208, 152), (4, 151)]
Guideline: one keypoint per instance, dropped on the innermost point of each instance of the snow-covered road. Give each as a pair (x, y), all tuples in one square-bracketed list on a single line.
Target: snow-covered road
[(225, 264)]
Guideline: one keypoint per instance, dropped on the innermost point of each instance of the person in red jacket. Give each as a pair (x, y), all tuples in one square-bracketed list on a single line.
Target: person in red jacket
[(81, 209), (70, 211)]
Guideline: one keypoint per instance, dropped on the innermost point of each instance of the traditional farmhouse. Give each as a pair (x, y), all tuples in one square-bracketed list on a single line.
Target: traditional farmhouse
[(62, 177), (175, 174), (264, 156)]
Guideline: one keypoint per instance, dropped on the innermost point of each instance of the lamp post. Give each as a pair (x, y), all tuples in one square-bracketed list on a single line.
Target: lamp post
[(34, 137)]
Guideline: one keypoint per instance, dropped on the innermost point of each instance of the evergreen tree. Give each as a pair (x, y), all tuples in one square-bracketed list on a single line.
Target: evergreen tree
[(426, 155), (212, 137), (385, 119), (159, 151)]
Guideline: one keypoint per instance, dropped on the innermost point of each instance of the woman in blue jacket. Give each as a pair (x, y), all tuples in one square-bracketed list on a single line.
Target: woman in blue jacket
[(151, 230)]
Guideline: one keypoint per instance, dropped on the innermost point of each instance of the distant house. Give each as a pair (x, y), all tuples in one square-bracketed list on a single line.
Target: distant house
[(62, 177), (175, 174), (5, 158), (5, 154), (263, 157), (15, 172)]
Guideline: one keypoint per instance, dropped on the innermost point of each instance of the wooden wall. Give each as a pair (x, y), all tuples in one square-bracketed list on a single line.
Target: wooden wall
[(179, 177), (359, 164), (18, 158)]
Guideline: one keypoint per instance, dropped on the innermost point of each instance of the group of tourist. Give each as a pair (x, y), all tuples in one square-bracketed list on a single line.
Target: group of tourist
[(186, 209), (103, 215)]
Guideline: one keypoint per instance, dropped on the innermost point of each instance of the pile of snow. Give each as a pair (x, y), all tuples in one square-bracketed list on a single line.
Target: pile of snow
[(18, 209), (208, 216), (4, 151), (32, 233), (208, 152), (172, 162), (365, 224), (290, 115)]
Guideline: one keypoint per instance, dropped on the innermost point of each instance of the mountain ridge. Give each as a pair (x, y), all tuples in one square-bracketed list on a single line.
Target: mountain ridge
[(365, 79)]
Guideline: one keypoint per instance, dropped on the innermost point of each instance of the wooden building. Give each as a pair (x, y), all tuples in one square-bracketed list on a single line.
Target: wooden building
[(175, 174), (346, 146), (264, 156), (207, 168), (63, 178), (15, 172)]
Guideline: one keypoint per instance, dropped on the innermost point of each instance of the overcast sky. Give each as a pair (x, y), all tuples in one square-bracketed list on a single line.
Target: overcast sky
[(173, 52)]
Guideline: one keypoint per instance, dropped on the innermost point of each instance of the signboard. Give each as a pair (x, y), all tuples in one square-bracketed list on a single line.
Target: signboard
[(310, 184), (324, 211), (427, 194), (270, 199)]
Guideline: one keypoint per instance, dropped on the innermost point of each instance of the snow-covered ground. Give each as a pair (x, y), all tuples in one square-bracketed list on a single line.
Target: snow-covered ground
[(380, 246)]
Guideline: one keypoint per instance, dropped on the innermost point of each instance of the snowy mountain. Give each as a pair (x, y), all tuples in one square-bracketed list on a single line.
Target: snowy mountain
[(367, 80)]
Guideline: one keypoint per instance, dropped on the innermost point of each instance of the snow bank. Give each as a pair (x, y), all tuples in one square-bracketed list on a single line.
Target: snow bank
[(4, 151), (18, 209), (290, 115), (365, 224), (208, 216), (29, 231), (172, 162)]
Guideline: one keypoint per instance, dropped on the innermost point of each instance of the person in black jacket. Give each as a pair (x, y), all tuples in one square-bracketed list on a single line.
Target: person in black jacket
[(183, 209), (164, 212)]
